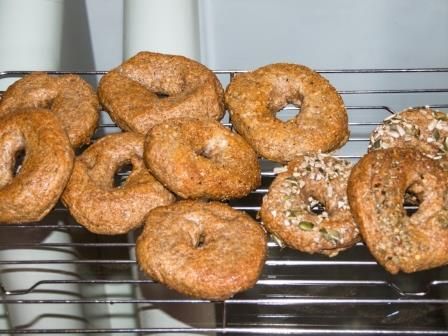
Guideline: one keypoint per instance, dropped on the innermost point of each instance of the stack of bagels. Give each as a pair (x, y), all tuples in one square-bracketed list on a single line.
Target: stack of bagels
[(183, 165)]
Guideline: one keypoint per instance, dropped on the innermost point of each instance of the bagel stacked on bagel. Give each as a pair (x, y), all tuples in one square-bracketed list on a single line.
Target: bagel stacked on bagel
[(191, 246), (406, 164), (376, 191), (42, 118), (69, 97), (181, 161)]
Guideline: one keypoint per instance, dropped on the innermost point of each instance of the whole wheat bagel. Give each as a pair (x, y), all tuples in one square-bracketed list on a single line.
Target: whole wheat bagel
[(201, 159), (204, 250), (253, 99), (421, 128), (151, 87), (93, 199), (376, 191), (306, 207), (29, 194), (69, 97)]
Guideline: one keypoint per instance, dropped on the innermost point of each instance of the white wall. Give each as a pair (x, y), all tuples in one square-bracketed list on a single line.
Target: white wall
[(249, 33), (325, 33)]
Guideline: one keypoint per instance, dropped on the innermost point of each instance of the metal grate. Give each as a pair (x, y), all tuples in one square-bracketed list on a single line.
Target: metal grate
[(296, 294)]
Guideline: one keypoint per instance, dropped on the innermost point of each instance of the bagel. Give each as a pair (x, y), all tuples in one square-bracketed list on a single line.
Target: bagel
[(96, 203), (201, 159), (150, 88), (29, 194), (253, 98), (376, 189), (287, 208), (422, 128), (204, 250), (69, 97)]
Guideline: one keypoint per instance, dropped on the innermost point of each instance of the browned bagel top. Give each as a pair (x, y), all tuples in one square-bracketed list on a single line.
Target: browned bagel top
[(376, 189), (253, 99), (151, 87), (201, 159), (92, 196), (205, 250), (69, 97), (30, 194)]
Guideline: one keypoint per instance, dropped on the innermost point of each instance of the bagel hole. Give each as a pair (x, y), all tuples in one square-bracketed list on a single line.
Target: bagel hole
[(288, 112), (411, 202), (162, 95), (121, 174), (19, 157), (315, 206), (200, 242)]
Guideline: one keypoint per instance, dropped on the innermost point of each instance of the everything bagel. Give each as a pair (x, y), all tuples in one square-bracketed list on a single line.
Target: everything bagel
[(287, 209), (421, 128)]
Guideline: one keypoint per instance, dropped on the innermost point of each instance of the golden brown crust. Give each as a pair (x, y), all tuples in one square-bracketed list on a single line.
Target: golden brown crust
[(421, 128), (69, 97), (204, 250), (33, 192), (131, 92), (287, 208), (253, 99), (201, 159), (90, 194), (376, 190)]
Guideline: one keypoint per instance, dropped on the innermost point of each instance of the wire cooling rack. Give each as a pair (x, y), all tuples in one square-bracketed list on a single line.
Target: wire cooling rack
[(296, 294)]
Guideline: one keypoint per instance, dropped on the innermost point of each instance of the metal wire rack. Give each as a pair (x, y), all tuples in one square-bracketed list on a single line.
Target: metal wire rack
[(296, 294)]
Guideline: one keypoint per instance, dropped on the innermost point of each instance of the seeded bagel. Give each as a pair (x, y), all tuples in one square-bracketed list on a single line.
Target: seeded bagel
[(96, 203), (201, 159), (376, 191), (421, 128), (29, 194), (69, 97), (151, 87), (253, 99), (204, 250), (306, 206)]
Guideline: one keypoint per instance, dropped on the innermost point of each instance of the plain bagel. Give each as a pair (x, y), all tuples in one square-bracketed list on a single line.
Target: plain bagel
[(69, 97), (204, 250), (201, 159), (99, 205), (151, 87), (253, 99), (29, 193)]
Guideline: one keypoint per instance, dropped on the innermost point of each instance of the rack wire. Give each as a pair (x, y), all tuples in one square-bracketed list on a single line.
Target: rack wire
[(296, 294)]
